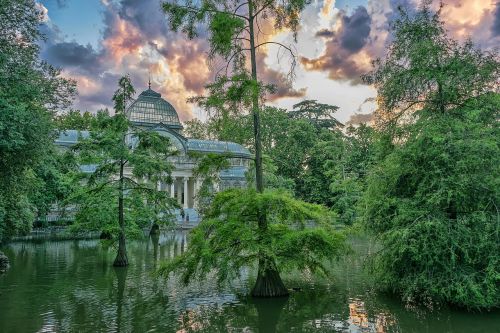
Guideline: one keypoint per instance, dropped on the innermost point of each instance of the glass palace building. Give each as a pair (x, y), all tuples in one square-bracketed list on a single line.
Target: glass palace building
[(151, 112)]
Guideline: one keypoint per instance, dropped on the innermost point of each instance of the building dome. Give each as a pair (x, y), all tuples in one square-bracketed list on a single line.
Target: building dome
[(149, 109)]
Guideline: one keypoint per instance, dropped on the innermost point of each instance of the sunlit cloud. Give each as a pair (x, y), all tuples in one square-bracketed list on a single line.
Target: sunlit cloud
[(333, 49)]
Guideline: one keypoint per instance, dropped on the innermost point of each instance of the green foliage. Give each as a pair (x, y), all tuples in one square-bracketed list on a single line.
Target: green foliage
[(208, 169), (319, 114), (348, 174), (223, 28), (304, 154), (75, 120), (426, 69), (434, 204), (30, 90), (196, 129), (123, 94), (433, 199), (229, 238), (227, 19), (233, 28), (272, 179), (114, 146), (97, 211)]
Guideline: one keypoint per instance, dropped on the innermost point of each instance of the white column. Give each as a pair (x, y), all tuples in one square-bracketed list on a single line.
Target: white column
[(186, 192), (158, 186), (172, 187)]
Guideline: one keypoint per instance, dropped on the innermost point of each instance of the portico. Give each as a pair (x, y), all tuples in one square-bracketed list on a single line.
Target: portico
[(183, 188)]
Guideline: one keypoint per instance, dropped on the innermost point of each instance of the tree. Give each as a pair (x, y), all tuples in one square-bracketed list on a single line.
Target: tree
[(75, 120), (425, 69), (232, 33), (196, 129), (348, 173), (30, 92), (319, 114), (433, 199), (229, 238), (115, 147), (208, 170)]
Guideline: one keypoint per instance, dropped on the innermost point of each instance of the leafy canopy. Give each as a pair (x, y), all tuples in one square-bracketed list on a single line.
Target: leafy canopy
[(30, 91), (229, 238), (426, 69), (433, 199), (114, 144)]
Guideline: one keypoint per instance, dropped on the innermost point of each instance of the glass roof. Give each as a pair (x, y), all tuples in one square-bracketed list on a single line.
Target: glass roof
[(150, 108), (233, 173), (70, 137), (217, 147)]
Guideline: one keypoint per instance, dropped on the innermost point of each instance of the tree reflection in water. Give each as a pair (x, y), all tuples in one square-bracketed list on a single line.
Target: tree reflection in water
[(69, 286)]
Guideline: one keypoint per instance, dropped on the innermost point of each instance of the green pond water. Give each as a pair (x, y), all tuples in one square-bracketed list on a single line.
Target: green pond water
[(70, 286)]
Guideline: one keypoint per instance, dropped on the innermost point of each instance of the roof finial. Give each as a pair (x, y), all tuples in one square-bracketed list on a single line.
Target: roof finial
[(149, 82)]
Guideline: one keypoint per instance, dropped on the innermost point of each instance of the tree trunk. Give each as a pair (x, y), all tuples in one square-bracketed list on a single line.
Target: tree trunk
[(259, 181), (155, 229), (121, 259), (269, 283)]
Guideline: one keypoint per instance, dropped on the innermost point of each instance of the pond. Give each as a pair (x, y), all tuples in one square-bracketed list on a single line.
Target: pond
[(70, 286)]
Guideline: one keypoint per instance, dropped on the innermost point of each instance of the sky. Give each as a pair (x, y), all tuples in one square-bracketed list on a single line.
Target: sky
[(95, 42)]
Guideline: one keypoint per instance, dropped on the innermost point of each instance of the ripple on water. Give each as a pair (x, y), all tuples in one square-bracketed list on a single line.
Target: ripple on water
[(70, 286)]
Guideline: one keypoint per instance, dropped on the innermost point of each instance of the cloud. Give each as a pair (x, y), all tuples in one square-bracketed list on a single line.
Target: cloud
[(283, 86), (496, 22), (62, 3), (343, 57), (355, 30), (324, 33), (73, 55), (43, 11), (135, 39)]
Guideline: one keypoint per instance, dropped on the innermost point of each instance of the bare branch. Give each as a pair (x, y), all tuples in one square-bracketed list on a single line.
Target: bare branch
[(279, 44), (228, 61), (241, 5), (287, 48), (265, 6)]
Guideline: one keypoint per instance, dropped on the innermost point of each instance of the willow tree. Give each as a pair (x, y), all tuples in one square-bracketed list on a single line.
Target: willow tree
[(233, 29), (433, 199)]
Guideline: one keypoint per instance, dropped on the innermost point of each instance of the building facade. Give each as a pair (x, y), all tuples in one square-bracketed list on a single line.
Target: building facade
[(151, 112)]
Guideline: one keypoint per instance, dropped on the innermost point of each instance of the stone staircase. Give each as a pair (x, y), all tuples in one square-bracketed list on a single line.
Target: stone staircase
[(189, 214)]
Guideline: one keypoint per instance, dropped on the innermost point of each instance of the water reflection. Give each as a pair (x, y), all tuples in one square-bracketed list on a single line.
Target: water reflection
[(70, 286), (360, 322)]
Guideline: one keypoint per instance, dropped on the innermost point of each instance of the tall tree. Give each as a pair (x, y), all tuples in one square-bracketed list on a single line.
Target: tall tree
[(115, 147), (319, 114), (425, 69), (30, 92), (433, 199), (233, 29)]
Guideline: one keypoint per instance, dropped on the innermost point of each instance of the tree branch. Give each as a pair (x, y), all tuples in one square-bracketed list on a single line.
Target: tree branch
[(198, 10), (279, 44), (265, 6), (241, 5)]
